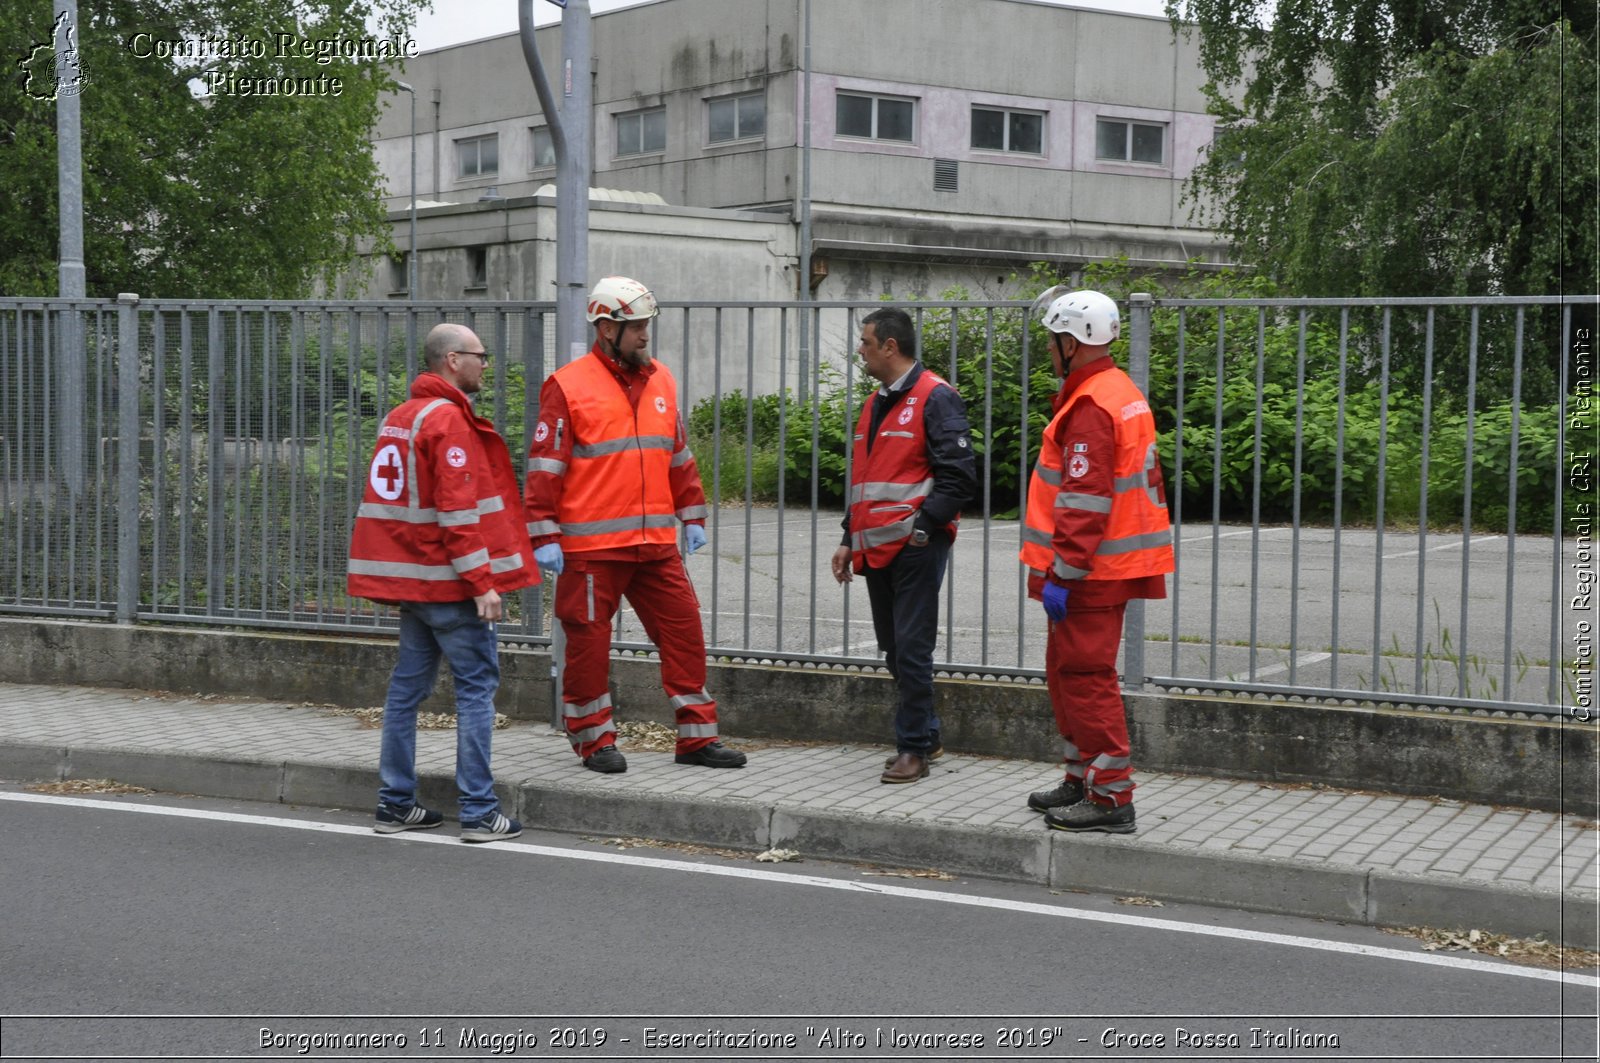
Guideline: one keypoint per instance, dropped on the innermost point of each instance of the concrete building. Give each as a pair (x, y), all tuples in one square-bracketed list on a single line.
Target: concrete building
[(950, 142)]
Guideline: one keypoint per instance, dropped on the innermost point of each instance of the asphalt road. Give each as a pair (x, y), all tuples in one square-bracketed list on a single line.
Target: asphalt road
[(208, 929)]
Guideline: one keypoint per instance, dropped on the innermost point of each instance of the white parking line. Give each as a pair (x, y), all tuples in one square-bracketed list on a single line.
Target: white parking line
[(1304, 659), (1456, 545), (513, 848)]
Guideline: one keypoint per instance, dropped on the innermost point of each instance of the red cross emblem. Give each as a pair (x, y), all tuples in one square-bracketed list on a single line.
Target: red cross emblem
[(388, 475)]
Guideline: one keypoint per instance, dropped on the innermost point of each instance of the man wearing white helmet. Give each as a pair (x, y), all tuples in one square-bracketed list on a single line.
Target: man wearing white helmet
[(609, 480), (1096, 536)]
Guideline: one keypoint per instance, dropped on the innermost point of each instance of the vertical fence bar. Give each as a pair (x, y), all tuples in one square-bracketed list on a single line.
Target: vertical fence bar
[(715, 515), (849, 450), (1024, 479), (127, 457), (1175, 489), (158, 486), (1294, 539), (1554, 689), (749, 454), (988, 475), (1216, 482), (1140, 305), (816, 431), (1422, 498), (783, 464), (1466, 502), (950, 564), (1338, 488), (1383, 468), (1255, 493), (185, 454), (1511, 504)]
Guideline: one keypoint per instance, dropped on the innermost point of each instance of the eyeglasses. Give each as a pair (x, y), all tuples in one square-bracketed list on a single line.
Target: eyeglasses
[(483, 356)]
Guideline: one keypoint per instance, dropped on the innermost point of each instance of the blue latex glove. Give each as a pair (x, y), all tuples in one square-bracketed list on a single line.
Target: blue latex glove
[(550, 559), (696, 536), (1055, 601)]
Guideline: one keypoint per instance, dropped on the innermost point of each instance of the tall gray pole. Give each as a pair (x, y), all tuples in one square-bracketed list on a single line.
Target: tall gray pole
[(411, 262), (71, 359), (805, 204)]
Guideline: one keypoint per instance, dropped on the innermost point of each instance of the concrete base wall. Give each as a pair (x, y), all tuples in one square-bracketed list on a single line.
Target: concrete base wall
[(1532, 764)]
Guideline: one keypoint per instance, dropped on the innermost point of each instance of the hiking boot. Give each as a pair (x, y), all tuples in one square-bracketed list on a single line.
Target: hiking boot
[(494, 827), (932, 755), (906, 767), (1070, 792), (1089, 815), (606, 760), (715, 755), (392, 819)]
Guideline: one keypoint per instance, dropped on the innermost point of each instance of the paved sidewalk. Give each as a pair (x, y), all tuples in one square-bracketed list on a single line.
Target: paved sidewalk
[(1355, 857)]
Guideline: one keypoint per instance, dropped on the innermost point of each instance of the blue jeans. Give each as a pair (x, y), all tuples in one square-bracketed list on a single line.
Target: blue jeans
[(429, 630), (905, 617)]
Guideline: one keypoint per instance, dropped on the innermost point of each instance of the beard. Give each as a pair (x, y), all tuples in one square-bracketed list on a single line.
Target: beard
[(639, 359)]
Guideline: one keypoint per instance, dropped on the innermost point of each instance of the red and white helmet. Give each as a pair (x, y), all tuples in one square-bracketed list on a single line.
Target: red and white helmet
[(621, 299), (1088, 315)]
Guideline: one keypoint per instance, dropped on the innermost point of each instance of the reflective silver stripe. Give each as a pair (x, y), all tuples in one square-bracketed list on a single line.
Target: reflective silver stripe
[(1128, 544), (588, 583), (1109, 788), (600, 527), (509, 563), (697, 730), (681, 457), (1137, 482), (889, 533), (1078, 500), (577, 712), (589, 734), (1066, 571), (682, 700), (898, 435), (468, 562), (1069, 751), (411, 451), (404, 514), (543, 527), (457, 517), (887, 491), (493, 504), (620, 446), (1035, 536), (693, 513), (1106, 762), (550, 465), (1048, 475), (362, 567)]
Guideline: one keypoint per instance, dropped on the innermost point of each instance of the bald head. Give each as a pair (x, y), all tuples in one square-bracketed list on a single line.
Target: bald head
[(443, 339)]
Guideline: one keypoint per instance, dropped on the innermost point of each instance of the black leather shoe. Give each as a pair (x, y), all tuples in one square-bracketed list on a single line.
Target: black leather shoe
[(1089, 815), (715, 755), (1070, 792), (606, 760), (933, 754)]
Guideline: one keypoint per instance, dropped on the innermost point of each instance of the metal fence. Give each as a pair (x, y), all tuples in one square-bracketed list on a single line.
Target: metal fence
[(1370, 497)]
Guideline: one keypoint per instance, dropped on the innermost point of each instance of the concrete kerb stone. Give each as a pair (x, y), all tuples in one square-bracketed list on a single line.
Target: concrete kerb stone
[(1120, 865), (209, 776), (624, 813), (993, 852), (1395, 899), (23, 760)]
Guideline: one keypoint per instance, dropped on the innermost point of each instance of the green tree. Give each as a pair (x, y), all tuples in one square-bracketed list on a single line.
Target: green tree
[(1402, 147), (222, 195)]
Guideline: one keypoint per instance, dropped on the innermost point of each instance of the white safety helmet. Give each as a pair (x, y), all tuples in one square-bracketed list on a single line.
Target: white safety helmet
[(1088, 315), (621, 299)]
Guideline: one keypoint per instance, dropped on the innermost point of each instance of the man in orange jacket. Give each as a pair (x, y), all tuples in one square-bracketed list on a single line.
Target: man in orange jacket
[(1096, 536), (609, 480), (439, 534)]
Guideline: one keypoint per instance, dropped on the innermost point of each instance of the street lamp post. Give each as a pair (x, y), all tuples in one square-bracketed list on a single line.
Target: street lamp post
[(411, 264)]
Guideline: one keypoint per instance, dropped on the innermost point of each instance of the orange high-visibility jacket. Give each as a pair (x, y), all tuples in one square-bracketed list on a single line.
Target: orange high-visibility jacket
[(1138, 535), (440, 520), (889, 483), (618, 487)]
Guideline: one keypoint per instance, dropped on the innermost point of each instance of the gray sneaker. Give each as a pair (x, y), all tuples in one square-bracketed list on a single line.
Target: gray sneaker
[(494, 827), (1089, 815)]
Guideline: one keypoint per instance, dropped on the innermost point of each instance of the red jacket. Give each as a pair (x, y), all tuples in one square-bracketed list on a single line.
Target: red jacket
[(440, 520), (577, 476)]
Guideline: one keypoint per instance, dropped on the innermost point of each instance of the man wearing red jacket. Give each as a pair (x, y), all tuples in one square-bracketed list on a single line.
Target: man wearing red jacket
[(610, 478), (1096, 536), (439, 534)]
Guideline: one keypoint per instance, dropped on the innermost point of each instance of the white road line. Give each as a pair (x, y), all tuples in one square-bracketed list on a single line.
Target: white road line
[(845, 885), (1447, 546), (1305, 659), (1206, 538)]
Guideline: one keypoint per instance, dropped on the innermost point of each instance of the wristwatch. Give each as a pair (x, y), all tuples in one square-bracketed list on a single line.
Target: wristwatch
[(919, 538)]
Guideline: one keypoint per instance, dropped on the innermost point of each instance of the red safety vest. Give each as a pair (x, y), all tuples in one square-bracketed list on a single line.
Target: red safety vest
[(889, 484), (618, 489), (1138, 535), (441, 518)]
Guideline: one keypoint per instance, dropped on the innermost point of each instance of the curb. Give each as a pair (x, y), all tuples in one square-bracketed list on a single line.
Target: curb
[(1106, 864)]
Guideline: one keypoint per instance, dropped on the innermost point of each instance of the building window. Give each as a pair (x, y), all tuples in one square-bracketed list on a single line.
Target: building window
[(477, 267), (875, 117), (998, 130), (478, 156), (399, 279), (737, 117), (544, 148), (1121, 141), (642, 132)]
